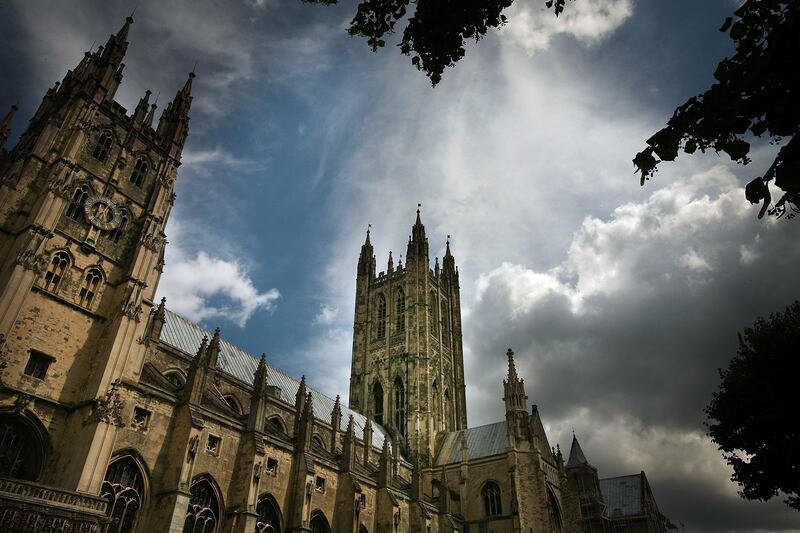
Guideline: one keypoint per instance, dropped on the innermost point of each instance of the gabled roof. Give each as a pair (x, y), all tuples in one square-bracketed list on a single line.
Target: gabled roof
[(623, 495), (482, 441), (186, 336)]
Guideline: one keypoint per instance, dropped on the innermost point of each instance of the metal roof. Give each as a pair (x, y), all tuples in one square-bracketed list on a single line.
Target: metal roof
[(186, 336), (623, 495), (482, 441)]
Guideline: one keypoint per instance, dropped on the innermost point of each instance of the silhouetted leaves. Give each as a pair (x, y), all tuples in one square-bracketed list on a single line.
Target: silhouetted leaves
[(754, 416), (436, 31), (756, 94)]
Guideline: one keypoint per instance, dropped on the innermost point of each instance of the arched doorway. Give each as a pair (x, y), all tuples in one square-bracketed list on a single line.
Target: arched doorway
[(203, 513), (319, 524), (269, 515), (123, 487), (22, 447)]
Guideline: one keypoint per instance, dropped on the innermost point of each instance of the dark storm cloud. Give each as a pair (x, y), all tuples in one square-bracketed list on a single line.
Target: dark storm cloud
[(622, 341)]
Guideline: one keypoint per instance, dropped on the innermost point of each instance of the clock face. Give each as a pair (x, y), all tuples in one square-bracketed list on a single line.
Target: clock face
[(102, 212)]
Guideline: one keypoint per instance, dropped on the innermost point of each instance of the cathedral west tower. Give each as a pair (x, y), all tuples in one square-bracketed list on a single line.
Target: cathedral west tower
[(408, 367)]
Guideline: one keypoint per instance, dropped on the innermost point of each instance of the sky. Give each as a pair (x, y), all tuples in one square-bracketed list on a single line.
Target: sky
[(620, 301)]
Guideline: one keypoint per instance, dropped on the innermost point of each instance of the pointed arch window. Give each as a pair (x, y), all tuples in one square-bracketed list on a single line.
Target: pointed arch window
[(274, 425), (433, 301), (381, 316), (448, 412), (75, 208), (91, 283), (175, 377), (556, 523), (400, 310), (436, 407), (377, 402), (234, 404), (55, 272), (269, 515), (319, 524), (21, 452), (202, 516), (445, 323), (491, 499), (399, 406), (140, 169), (102, 147), (123, 487), (115, 234)]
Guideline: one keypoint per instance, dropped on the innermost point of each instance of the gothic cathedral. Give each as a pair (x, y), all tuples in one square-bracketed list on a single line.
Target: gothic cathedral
[(118, 415)]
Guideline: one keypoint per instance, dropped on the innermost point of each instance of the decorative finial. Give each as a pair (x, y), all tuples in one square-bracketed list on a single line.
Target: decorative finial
[(194, 67), (418, 207)]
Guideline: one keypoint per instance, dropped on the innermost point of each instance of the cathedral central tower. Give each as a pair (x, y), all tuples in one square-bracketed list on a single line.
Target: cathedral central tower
[(407, 370)]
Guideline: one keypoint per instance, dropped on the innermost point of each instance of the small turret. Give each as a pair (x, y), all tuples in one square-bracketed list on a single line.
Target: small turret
[(367, 440), (157, 319), (212, 356), (336, 423), (515, 399), (196, 382), (385, 469), (173, 126), (366, 259), (390, 264), (348, 458), (258, 399), (141, 109), (418, 242)]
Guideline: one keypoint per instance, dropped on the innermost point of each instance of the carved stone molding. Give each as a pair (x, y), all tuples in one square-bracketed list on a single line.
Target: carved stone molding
[(108, 409), (30, 260)]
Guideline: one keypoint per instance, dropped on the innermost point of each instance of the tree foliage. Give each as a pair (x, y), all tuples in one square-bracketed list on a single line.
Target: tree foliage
[(755, 95), (753, 417)]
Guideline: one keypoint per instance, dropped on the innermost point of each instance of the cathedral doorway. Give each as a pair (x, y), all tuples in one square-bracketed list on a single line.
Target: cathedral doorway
[(123, 488), (203, 514), (269, 515)]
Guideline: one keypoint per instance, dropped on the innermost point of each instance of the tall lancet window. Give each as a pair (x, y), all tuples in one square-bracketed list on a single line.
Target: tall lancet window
[(433, 316), (123, 487), (381, 316), (91, 282), (400, 308), (445, 324), (202, 516), (75, 208), (139, 172), (399, 406), (448, 412), (377, 402), (55, 272), (102, 147)]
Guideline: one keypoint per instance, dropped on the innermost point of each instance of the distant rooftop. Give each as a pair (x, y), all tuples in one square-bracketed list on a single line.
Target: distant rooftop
[(482, 441)]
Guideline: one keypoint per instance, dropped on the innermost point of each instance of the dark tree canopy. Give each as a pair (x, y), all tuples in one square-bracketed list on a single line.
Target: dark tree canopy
[(753, 417), (756, 93)]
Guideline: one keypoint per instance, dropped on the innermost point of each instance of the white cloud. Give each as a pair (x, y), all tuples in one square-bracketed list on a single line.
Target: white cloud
[(533, 27), (326, 315)]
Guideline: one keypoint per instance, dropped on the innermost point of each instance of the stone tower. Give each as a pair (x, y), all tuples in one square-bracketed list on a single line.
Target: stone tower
[(408, 367), (84, 198)]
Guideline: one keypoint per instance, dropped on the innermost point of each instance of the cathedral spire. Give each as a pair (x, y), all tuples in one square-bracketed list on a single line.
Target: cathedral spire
[(418, 242), (576, 455), (173, 126), (366, 259), (5, 125)]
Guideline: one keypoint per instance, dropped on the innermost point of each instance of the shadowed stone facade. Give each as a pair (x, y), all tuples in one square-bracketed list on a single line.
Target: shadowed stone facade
[(119, 415)]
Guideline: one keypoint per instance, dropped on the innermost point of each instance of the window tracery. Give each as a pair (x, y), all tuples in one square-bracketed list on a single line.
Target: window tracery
[(140, 168), (381, 316), (491, 499), (377, 399), (433, 315), (269, 515), (202, 516), (400, 406), (400, 308), (123, 487), (115, 234), (102, 147), (55, 272), (75, 208), (91, 282), (21, 453)]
